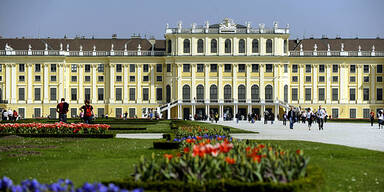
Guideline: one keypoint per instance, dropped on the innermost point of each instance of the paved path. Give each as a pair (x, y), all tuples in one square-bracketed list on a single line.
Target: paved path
[(360, 135), (140, 135)]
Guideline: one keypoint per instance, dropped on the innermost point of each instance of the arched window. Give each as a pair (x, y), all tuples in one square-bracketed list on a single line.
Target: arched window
[(227, 92), (213, 46), (169, 46), (228, 46), (255, 95), (200, 93), (187, 46), (168, 93), (286, 93), (200, 46), (186, 93), (241, 46), (241, 93), (213, 92), (269, 46), (268, 93), (255, 46)]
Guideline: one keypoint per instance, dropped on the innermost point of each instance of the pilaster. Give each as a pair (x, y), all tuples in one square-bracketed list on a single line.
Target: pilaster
[(45, 83)]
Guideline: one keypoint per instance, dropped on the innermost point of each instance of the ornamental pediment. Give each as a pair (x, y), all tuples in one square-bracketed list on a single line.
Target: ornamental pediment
[(227, 26)]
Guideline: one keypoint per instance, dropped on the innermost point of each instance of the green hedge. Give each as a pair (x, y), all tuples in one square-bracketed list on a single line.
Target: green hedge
[(128, 128), (166, 145), (62, 135), (312, 182)]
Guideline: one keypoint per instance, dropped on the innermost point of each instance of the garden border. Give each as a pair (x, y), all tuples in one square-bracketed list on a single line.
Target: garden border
[(108, 135)]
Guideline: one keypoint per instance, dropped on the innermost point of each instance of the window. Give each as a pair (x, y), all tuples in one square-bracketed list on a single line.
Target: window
[(227, 67), (37, 112), (213, 46), (352, 113), (100, 78), (187, 46), (335, 68), (352, 94), (100, 94), (255, 94), (294, 68), (366, 79), (53, 94), (159, 78), (307, 78), (132, 94), (87, 78), (241, 93), (21, 94), (241, 68), (145, 68), (146, 78), (118, 78), (335, 79), (294, 79), (227, 46), (285, 68), (118, 112), (53, 78), (87, 93), (119, 93), (131, 78), (268, 92), (186, 67), (145, 94), (132, 68), (379, 69), (352, 79), (307, 68), (335, 94), (159, 94), (335, 113), (213, 92), (169, 69), (74, 78), (308, 95), (100, 112), (200, 68), (200, 46), (37, 78), (366, 113), (241, 46), (321, 79), (52, 113), (366, 94), (352, 69), (321, 68), (186, 93), (269, 46), (21, 67), (159, 68), (255, 67), (73, 94), (255, 46), (366, 68), (321, 94), (286, 93), (73, 68), (100, 68), (200, 92), (73, 112), (22, 112), (119, 68), (227, 92), (37, 94), (268, 68), (294, 94), (37, 67), (213, 67), (87, 68), (379, 94), (132, 112), (21, 78), (169, 46), (379, 79)]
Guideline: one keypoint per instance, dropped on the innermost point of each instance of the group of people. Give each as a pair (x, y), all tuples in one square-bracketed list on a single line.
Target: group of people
[(86, 111), (10, 115), (380, 118), (293, 116)]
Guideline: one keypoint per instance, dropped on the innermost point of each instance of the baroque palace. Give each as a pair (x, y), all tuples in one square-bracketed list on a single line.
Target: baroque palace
[(220, 68)]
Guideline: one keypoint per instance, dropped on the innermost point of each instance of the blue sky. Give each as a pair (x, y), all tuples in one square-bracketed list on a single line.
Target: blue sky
[(55, 18)]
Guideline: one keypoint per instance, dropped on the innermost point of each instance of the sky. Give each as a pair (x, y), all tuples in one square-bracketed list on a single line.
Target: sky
[(101, 19)]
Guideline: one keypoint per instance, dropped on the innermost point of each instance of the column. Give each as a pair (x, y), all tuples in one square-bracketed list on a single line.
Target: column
[(261, 85), (221, 112), (13, 84), (314, 80), (67, 91), (179, 111), (8, 82), (343, 83), (372, 79), (152, 89), (169, 111), (248, 46), (248, 83), (179, 87), (94, 81), (138, 88), (81, 78), (275, 93), (29, 88), (125, 80), (45, 83), (193, 83), (220, 88), (234, 83), (277, 111), (193, 111), (328, 89), (206, 83), (359, 90), (111, 83), (207, 48), (262, 109), (301, 84)]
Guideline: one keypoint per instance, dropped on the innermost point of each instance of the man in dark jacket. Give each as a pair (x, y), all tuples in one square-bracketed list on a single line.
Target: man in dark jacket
[(291, 117), (62, 109)]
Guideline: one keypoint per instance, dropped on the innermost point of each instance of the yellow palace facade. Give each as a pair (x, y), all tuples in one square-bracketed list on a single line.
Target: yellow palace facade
[(223, 68)]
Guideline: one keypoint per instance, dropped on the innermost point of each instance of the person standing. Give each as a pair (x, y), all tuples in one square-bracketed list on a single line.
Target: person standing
[(291, 117), (321, 117), (10, 114), (15, 115), (5, 115), (125, 115), (309, 118), (380, 119), (372, 117), (216, 117), (62, 109), (285, 116), (237, 118), (87, 109)]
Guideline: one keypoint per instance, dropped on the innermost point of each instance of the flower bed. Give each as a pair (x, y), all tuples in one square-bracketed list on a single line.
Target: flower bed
[(56, 128), (61, 185), (191, 131)]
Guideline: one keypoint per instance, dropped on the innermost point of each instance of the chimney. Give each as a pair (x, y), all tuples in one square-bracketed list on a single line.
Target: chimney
[(324, 37), (114, 36)]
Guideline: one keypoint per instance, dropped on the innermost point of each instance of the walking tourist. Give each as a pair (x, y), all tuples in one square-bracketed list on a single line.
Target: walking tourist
[(291, 117), (62, 109), (216, 117), (266, 115), (372, 117), (10, 114), (5, 115), (125, 115), (15, 115), (237, 118), (88, 112), (285, 116), (272, 117), (380, 119), (309, 118), (320, 116)]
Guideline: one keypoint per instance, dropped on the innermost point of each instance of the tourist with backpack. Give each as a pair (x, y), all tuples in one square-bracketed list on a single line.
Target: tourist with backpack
[(87, 109), (62, 109)]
